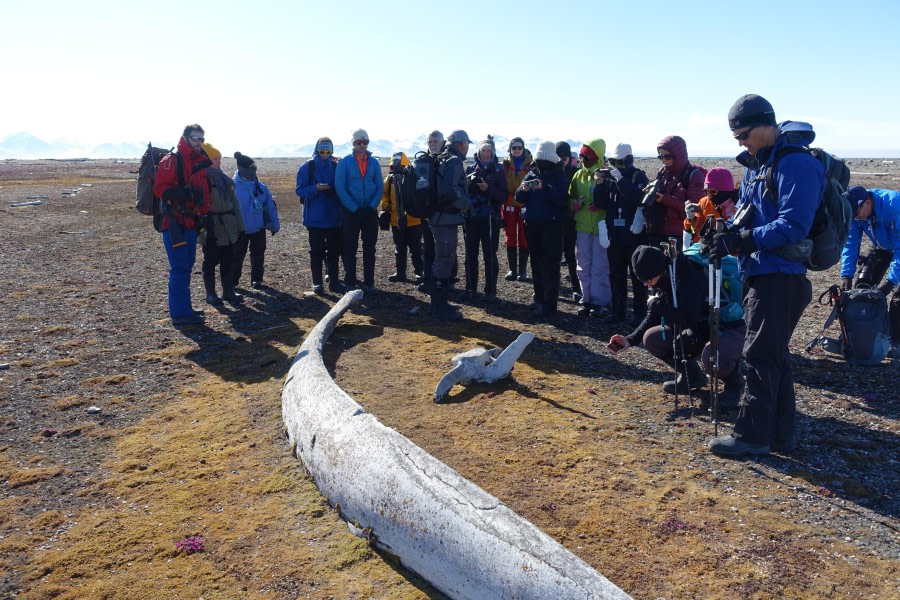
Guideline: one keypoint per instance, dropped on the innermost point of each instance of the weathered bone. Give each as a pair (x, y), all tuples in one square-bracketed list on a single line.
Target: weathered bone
[(482, 366), (464, 541)]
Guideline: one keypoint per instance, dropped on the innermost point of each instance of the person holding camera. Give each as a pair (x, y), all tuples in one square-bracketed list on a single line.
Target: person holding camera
[(542, 195), (592, 238), (183, 190), (618, 192), (718, 203), (406, 230), (357, 181), (876, 214), (321, 215), (516, 166), (487, 191), (564, 152), (677, 181)]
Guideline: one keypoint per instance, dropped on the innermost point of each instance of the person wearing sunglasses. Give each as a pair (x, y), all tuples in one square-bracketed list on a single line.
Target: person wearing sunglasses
[(357, 180), (591, 239), (718, 203), (678, 181), (321, 215), (516, 165), (777, 290), (182, 186), (619, 192)]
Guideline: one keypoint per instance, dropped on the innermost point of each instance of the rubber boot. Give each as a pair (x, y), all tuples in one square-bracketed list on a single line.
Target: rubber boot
[(315, 267), (695, 375), (334, 280), (229, 294), (513, 264), (400, 261), (730, 397), (523, 264), (440, 308), (209, 282)]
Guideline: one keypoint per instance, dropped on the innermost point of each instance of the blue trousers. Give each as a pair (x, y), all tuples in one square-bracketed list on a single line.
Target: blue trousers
[(181, 263)]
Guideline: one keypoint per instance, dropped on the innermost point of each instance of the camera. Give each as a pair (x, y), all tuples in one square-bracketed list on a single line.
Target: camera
[(603, 174), (650, 193), (530, 184)]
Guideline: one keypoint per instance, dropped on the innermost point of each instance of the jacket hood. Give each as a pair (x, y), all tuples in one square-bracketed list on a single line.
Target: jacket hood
[(599, 148), (675, 146), (797, 132)]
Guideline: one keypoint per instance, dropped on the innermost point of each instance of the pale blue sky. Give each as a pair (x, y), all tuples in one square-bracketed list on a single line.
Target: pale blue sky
[(259, 74)]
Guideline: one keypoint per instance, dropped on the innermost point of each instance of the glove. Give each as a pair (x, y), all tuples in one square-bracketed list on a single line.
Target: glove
[(846, 284), (603, 234), (617, 174), (886, 288), (731, 242), (177, 194), (691, 209), (638, 225)]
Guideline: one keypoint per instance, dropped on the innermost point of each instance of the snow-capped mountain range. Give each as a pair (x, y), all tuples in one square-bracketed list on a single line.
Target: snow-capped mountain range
[(26, 146)]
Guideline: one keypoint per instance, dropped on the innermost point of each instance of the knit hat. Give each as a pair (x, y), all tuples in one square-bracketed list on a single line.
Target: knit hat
[(489, 142), (563, 150), (748, 110), (514, 141), (324, 143), (243, 161), (211, 151), (720, 179), (547, 151), (621, 151), (856, 195), (359, 134), (648, 262)]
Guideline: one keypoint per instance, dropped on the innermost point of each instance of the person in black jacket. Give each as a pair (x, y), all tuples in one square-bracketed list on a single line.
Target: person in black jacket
[(486, 182), (568, 166), (543, 194), (619, 192)]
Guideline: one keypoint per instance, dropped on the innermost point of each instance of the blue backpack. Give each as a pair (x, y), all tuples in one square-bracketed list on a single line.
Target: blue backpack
[(732, 294)]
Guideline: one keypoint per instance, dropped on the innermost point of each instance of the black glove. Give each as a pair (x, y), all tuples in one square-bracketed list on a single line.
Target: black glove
[(886, 288), (846, 284), (177, 194), (731, 242)]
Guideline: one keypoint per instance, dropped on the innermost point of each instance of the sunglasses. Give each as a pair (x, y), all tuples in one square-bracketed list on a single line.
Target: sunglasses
[(616, 162), (743, 136), (324, 152), (517, 147), (361, 143), (198, 138), (664, 157)]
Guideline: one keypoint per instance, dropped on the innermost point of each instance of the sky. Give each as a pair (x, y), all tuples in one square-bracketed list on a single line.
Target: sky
[(270, 73)]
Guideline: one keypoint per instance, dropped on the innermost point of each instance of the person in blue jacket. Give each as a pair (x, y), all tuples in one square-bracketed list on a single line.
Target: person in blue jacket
[(260, 214), (777, 290), (877, 215), (358, 183), (321, 214), (543, 194)]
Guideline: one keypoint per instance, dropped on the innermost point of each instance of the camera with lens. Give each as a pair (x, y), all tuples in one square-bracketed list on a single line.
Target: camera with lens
[(530, 184), (650, 193)]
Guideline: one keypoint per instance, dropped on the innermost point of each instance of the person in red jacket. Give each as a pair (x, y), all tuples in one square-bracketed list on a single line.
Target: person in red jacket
[(676, 181), (183, 190)]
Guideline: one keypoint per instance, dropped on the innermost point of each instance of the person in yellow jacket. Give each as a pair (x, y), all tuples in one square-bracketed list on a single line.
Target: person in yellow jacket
[(406, 230), (516, 165), (591, 237)]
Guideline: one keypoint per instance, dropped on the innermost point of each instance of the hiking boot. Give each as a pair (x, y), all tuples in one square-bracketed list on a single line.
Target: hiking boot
[(419, 279), (584, 310), (732, 447), (489, 296), (513, 260), (233, 297), (336, 286), (597, 312), (730, 398), (397, 277), (523, 264), (318, 289), (213, 300), (188, 321), (576, 296), (256, 285), (696, 376)]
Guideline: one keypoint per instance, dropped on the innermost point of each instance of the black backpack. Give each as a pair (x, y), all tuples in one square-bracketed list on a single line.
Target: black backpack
[(311, 173), (146, 201), (865, 325), (831, 223), (425, 175)]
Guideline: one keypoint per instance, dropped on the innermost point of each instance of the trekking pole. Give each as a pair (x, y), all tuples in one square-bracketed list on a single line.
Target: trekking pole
[(666, 248), (715, 299), (673, 244)]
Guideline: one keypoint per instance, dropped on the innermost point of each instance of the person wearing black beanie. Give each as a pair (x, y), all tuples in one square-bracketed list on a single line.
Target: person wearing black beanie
[(260, 214)]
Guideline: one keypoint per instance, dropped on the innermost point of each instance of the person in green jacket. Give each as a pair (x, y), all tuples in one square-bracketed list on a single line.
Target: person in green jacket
[(591, 239)]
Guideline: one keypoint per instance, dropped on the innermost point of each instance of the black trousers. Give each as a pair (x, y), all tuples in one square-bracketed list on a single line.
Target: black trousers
[(482, 235), (223, 256), (569, 237), (619, 254), (257, 245), (325, 246), (362, 224), (773, 305), (428, 253), (545, 243), (408, 240)]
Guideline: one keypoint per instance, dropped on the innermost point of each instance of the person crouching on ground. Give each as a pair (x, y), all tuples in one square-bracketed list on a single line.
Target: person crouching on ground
[(223, 225), (260, 214), (406, 230), (543, 195)]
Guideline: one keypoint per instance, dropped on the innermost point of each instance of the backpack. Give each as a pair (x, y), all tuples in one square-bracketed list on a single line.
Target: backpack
[(732, 287), (146, 201), (425, 174), (311, 173), (688, 172), (865, 325), (831, 223), (403, 186)]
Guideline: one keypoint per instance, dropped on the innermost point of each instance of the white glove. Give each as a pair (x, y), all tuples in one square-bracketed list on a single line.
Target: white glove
[(686, 239), (691, 209), (603, 234), (617, 174), (638, 225)]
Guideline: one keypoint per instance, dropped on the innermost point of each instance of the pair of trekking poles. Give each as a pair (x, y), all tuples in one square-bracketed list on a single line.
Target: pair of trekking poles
[(714, 295)]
